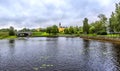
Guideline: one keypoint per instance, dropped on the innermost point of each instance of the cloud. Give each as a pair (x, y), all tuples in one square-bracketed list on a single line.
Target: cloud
[(43, 13)]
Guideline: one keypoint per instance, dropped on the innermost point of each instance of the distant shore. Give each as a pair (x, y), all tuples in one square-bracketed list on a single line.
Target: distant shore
[(59, 35), (87, 37), (15, 37)]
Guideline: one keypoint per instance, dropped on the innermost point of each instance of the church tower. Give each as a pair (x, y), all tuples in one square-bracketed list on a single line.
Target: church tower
[(60, 25)]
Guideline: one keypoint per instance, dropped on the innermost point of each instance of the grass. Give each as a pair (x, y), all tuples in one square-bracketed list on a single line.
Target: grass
[(5, 35), (88, 35), (113, 35), (11, 37), (44, 34), (67, 35), (39, 34), (108, 35)]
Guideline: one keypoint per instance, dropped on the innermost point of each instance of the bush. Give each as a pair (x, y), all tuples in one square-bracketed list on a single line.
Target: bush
[(11, 33), (102, 33)]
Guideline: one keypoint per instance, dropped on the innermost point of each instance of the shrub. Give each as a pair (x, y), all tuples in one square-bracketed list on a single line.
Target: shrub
[(11, 32), (102, 33)]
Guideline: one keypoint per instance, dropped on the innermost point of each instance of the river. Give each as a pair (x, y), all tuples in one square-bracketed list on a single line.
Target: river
[(58, 54)]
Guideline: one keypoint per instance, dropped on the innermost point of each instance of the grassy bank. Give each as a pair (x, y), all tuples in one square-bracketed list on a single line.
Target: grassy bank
[(110, 37), (8, 37), (44, 34), (40, 34), (5, 35), (68, 35), (11, 37)]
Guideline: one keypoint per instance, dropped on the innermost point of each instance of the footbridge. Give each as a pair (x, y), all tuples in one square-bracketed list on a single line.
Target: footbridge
[(23, 34)]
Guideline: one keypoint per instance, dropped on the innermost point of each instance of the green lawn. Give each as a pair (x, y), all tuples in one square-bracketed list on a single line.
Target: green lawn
[(5, 35), (11, 37), (113, 35), (39, 34)]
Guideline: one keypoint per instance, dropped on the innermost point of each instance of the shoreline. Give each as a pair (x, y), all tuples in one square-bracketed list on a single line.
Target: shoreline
[(15, 37), (102, 38), (8, 37), (57, 36)]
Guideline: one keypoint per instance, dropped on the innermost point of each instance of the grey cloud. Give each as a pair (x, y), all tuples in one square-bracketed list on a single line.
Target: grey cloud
[(44, 13)]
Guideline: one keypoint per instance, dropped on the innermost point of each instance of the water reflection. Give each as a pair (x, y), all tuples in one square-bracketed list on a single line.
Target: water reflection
[(86, 43), (11, 47), (52, 47), (116, 56), (86, 55), (58, 54), (11, 43), (50, 57)]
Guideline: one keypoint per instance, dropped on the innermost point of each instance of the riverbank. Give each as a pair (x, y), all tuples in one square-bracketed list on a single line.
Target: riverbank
[(109, 38), (5, 35), (58, 35), (102, 38), (36, 34), (8, 37)]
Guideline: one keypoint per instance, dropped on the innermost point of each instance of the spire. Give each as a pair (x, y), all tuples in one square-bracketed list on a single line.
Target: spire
[(60, 25)]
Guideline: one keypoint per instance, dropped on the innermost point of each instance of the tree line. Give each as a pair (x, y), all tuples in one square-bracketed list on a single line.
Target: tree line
[(103, 26)]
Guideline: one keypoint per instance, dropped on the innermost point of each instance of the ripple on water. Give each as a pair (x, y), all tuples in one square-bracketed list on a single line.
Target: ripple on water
[(58, 54)]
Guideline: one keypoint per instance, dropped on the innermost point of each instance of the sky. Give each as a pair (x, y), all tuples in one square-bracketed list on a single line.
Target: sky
[(43, 13)]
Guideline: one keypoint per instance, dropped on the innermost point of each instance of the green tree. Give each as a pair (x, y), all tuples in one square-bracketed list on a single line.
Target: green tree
[(25, 30), (42, 30), (114, 20), (66, 31), (71, 30), (112, 23), (76, 30), (85, 26), (100, 26), (54, 29), (80, 30), (103, 21), (117, 13), (48, 30), (4, 30), (102, 18), (92, 30), (33, 30), (11, 31)]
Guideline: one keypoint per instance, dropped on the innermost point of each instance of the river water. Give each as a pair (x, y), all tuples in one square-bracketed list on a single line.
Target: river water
[(58, 54)]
